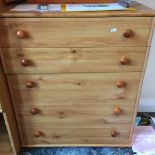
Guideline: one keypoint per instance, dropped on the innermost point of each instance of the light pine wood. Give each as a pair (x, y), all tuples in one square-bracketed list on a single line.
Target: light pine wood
[(9, 114), (79, 145), (73, 116), (5, 144), (76, 62), (63, 60), (72, 136), (152, 28), (63, 99), (62, 87), (74, 32), (141, 11), (78, 115)]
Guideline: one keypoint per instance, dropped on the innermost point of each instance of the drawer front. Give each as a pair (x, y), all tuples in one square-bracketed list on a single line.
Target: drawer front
[(64, 60), (50, 135), (57, 88), (74, 32), (79, 113)]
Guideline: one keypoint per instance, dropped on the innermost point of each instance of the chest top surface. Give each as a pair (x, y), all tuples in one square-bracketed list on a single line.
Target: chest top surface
[(141, 11)]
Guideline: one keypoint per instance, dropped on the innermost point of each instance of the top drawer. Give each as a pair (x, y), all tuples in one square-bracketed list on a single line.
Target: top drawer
[(74, 32)]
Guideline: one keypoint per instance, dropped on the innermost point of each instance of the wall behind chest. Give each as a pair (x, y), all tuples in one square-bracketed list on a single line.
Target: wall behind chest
[(147, 99)]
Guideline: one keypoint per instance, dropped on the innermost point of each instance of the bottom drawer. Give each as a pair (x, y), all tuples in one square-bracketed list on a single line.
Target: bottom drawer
[(45, 134)]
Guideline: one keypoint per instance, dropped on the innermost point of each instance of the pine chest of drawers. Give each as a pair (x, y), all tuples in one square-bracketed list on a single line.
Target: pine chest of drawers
[(75, 80)]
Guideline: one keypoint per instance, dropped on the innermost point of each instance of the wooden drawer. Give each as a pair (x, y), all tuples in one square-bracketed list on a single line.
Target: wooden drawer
[(78, 114), (74, 135), (69, 88), (63, 60), (74, 32)]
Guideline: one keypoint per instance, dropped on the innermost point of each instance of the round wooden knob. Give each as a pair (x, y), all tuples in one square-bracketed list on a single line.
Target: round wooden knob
[(25, 62), (127, 33), (114, 133), (34, 111), (117, 111), (125, 61), (21, 34), (38, 134), (30, 84), (121, 84)]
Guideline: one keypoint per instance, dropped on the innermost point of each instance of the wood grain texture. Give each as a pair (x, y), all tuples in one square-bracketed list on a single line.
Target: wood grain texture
[(71, 60), (152, 28), (63, 99), (76, 106), (141, 11), (9, 114), (76, 136), (79, 145), (75, 32), (62, 87), (78, 115)]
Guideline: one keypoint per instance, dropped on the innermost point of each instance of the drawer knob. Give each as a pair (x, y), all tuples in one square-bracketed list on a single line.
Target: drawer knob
[(30, 84), (21, 34), (121, 84), (114, 133), (117, 111), (38, 134), (127, 33), (25, 62), (125, 61), (34, 111)]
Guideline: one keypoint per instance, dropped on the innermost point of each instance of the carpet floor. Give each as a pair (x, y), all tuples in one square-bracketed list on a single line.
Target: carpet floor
[(77, 151)]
